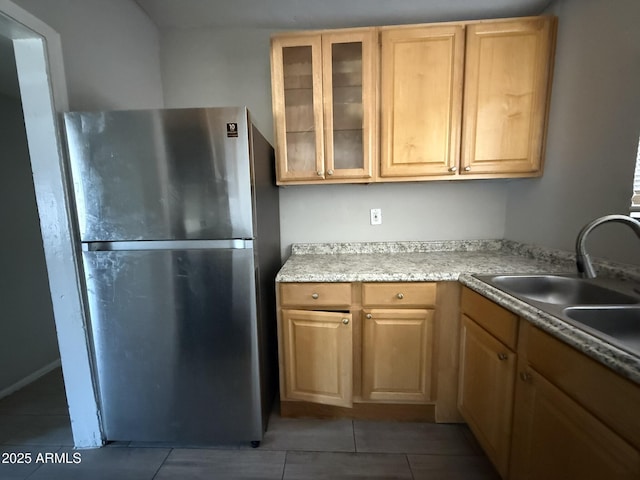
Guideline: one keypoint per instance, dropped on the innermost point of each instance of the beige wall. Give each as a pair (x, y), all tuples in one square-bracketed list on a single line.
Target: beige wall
[(593, 133)]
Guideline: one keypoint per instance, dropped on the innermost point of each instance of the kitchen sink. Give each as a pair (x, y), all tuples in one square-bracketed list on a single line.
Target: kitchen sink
[(559, 290), (619, 322), (605, 308)]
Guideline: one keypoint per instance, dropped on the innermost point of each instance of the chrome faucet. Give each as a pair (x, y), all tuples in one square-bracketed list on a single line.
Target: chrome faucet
[(583, 261)]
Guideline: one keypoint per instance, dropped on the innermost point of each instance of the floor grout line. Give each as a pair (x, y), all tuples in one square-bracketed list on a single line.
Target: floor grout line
[(162, 464)]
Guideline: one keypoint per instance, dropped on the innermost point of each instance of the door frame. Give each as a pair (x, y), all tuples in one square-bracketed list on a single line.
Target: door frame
[(43, 92)]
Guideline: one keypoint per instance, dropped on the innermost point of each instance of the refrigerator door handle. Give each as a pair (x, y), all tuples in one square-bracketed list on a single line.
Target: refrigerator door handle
[(236, 243)]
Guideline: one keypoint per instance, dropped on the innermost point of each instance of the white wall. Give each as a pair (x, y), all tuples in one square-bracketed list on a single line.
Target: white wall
[(593, 133), (111, 52), (28, 342), (204, 67)]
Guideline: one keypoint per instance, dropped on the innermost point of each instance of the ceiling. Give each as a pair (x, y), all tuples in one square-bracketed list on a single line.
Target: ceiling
[(301, 14)]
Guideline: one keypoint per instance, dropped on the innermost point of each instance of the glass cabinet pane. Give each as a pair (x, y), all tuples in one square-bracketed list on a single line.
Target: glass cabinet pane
[(346, 76), (299, 114)]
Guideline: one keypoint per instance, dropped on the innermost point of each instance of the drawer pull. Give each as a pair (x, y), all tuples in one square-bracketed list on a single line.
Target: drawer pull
[(315, 296), (502, 356), (400, 296), (369, 316), (345, 321)]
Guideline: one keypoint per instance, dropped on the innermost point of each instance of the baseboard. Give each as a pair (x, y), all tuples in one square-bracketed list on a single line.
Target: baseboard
[(30, 378)]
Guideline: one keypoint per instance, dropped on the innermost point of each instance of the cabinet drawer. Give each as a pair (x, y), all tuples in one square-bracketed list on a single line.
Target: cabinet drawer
[(315, 294), (398, 294), (501, 323)]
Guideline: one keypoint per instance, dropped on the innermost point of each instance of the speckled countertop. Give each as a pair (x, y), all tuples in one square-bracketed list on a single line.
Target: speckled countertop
[(458, 261)]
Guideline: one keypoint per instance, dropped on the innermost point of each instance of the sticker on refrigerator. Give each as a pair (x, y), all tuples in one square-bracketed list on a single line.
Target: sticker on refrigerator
[(232, 129)]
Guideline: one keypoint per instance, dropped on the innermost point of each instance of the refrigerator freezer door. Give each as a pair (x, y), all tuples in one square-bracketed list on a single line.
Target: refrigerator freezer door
[(161, 174), (175, 344)]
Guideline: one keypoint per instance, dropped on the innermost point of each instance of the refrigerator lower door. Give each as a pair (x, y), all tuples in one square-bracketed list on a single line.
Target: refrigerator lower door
[(175, 340)]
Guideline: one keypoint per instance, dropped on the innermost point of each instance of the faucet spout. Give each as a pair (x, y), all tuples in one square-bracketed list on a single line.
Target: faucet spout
[(583, 260)]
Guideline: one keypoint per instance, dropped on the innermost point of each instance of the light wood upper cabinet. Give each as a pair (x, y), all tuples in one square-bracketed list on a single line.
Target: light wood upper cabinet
[(324, 87), (459, 100), (317, 348), (421, 98), (507, 81), (488, 79), (296, 64)]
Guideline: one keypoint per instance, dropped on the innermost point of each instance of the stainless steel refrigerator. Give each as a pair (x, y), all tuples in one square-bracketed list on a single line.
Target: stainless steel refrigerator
[(178, 216)]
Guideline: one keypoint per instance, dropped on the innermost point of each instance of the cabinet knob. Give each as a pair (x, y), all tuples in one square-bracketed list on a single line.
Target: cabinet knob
[(453, 169), (467, 169), (314, 296), (525, 377), (320, 173), (502, 356), (400, 296), (345, 321), (329, 172), (368, 315)]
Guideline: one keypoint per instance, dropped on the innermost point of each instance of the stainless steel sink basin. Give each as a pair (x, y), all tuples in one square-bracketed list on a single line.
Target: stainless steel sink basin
[(559, 290), (605, 308), (619, 322)]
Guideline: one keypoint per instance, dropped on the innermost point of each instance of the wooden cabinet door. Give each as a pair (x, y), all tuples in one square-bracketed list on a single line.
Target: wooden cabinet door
[(397, 351), (317, 348), (349, 92), (324, 93), (555, 438), (296, 82), (421, 100), (485, 391), (507, 81)]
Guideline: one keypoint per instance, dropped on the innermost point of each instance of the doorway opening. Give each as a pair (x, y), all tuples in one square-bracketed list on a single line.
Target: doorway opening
[(44, 308)]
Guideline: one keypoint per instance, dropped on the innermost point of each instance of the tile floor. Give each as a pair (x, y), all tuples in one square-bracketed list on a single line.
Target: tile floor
[(34, 420)]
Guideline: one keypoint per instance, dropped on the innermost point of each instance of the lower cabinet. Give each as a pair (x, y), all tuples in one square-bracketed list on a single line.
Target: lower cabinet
[(317, 348), (487, 376), (368, 350), (573, 417), (540, 409), (556, 438), (397, 351)]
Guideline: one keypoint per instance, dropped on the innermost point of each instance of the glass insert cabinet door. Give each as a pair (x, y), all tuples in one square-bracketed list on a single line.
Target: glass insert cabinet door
[(324, 106)]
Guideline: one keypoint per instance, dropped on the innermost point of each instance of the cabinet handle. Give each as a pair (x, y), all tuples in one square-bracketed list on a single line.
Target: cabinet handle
[(467, 169), (329, 172), (314, 296), (453, 169), (320, 173), (400, 296), (526, 377), (345, 321), (502, 356), (368, 315)]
